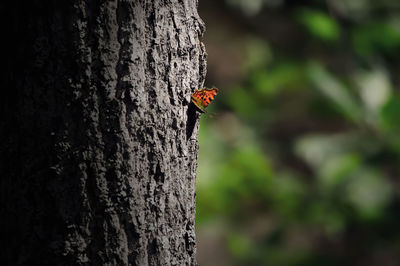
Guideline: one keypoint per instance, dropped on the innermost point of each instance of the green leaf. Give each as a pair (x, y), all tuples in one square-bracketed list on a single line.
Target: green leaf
[(369, 192), (390, 114), (376, 37), (319, 24), (334, 90)]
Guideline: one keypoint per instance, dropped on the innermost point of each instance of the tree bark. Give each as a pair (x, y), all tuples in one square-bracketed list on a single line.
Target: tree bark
[(99, 149)]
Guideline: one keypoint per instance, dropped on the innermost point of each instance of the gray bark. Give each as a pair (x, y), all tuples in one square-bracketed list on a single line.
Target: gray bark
[(99, 150)]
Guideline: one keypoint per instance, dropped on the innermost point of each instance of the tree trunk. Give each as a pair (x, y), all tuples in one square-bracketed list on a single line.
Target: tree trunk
[(99, 148)]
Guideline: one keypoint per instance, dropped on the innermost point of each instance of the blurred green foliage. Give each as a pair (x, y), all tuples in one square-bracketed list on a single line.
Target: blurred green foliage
[(299, 164), (320, 24)]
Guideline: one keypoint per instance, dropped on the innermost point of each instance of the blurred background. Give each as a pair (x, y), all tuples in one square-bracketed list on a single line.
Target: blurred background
[(299, 159)]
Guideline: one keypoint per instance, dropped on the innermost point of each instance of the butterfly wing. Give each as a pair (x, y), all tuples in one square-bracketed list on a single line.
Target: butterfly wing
[(209, 95), (202, 98), (197, 99)]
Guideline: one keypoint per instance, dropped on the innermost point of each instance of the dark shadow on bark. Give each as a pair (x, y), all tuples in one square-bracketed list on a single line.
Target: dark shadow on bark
[(191, 120)]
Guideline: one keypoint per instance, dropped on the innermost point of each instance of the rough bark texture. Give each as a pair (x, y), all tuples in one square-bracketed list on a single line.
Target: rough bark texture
[(99, 142)]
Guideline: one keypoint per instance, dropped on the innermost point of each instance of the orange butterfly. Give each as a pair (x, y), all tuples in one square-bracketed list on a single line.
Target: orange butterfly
[(202, 98)]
